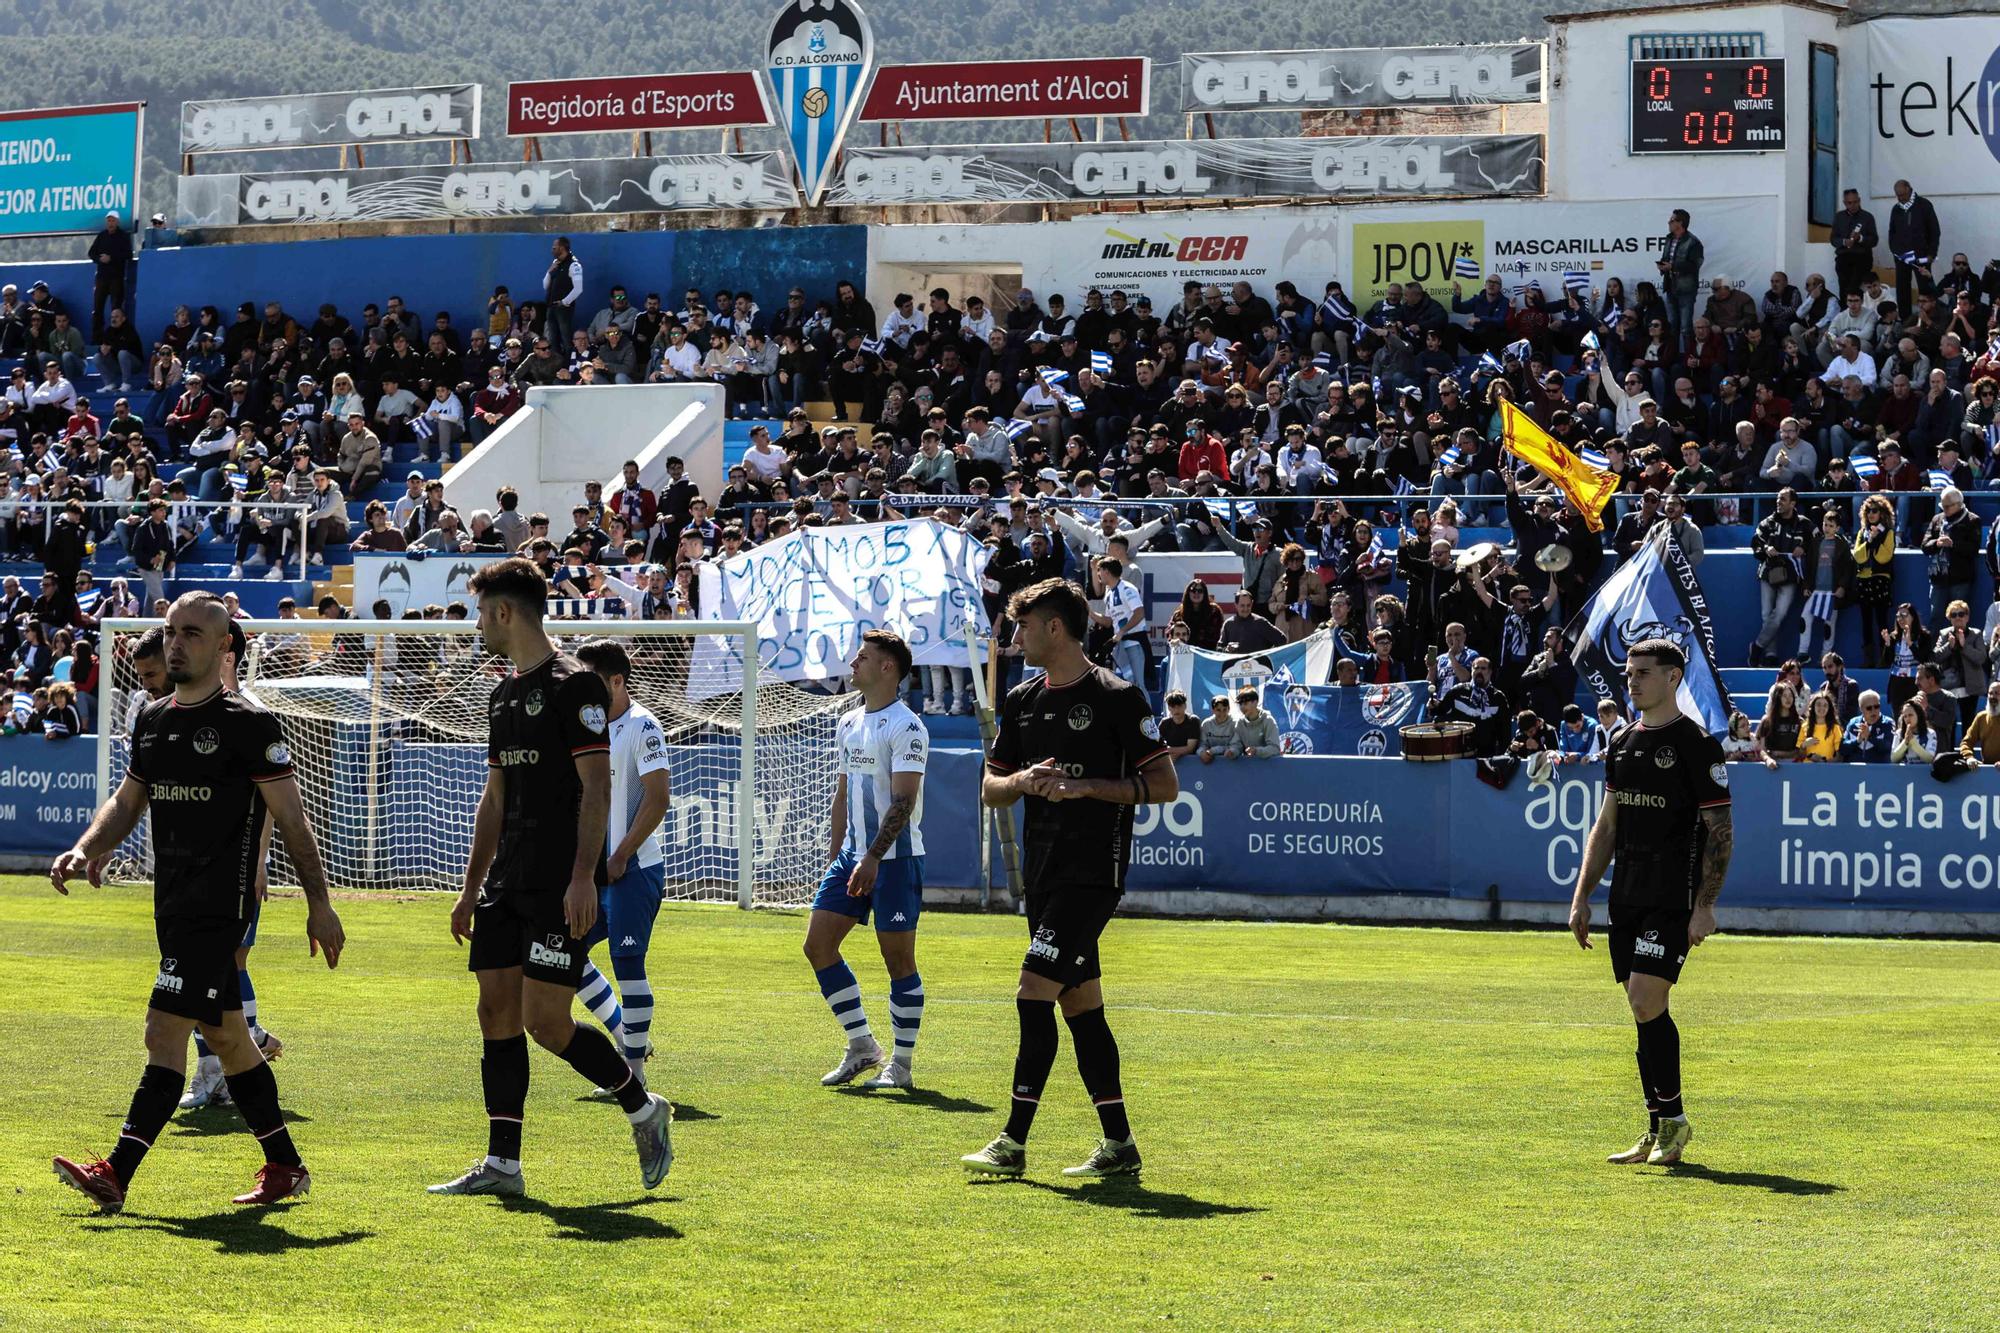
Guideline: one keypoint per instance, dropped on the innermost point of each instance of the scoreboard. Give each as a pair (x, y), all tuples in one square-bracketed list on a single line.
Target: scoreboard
[(1708, 106)]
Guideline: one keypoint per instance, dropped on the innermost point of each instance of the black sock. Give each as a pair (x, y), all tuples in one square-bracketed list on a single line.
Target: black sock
[(255, 1093), (1646, 1087), (1036, 1056), (1663, 1042), (503, 1077), (591, 1054), (1097, 1061), (153, 1104)]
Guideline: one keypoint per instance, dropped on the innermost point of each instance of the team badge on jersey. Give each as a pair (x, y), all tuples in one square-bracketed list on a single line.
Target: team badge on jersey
[(534, 704), (1080, 717), (206, 741), (1665, 756), (277, 753), (1718, 774), (592, 717)]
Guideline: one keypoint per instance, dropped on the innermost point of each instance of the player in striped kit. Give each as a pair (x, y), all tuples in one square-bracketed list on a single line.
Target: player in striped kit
[(877, 862), (633, 861)]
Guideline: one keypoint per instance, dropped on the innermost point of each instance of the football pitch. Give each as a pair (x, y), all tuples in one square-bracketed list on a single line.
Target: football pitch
[(1344, 1127)]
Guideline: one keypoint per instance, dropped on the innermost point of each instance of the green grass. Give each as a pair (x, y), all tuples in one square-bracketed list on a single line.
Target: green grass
[(1345, 1128)]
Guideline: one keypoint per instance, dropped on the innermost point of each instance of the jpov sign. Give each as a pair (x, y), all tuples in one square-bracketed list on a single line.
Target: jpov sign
[(820, 55), (315, 120)]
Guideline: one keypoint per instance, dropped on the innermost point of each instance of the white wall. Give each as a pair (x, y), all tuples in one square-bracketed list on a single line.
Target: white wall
[(567, 435), (1589, 125)]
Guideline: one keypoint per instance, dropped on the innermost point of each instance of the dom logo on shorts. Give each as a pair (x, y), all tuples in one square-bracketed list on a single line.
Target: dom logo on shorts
[(1649, 946), (166, 980), (206, 742), (1043, 945), (552, 953)]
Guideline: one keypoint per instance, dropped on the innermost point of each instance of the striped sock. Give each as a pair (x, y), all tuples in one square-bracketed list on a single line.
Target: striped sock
[(906, 1015), (249, 994), (843, 996), (635, 992), (601, 1000), (200, 1046)]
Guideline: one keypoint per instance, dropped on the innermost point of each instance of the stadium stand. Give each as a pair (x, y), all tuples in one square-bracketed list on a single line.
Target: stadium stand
[(1329, 446)]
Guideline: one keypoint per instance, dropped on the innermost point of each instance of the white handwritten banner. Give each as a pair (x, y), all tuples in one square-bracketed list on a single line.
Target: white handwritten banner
[(813, 592)]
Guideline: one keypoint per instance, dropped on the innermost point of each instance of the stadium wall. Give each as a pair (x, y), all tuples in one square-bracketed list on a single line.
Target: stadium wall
[(458, 273), (1819, 847)]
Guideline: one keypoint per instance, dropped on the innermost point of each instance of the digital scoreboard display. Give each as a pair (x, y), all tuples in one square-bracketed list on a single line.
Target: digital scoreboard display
[(1708, 106)]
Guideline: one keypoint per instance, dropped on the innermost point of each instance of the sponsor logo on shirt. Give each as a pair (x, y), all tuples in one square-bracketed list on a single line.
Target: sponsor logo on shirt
[(206, 742), (178, 791), (1645, 798), (515, 758)]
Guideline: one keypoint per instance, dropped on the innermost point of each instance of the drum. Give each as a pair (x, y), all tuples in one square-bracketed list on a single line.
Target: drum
[(1428, 742)]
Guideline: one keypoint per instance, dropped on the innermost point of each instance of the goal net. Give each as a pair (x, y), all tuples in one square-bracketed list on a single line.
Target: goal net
[(386, 722)]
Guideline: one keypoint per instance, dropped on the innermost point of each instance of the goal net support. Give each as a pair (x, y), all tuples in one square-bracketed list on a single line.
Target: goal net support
[(387, 725)]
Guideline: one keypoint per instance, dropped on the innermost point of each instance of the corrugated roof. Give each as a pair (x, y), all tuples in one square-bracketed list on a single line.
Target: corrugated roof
[(1697, 6)]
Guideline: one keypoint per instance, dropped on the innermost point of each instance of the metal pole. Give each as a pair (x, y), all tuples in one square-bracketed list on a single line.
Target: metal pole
[(989, 731), (746, 789), (304, 537)]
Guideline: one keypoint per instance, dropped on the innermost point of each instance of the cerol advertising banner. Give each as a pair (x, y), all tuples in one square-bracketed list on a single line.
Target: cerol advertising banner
[(327, 120), (63, 168), (1362, 77), (636, 102), (1011, 90), (540, 189), (1307, 168)]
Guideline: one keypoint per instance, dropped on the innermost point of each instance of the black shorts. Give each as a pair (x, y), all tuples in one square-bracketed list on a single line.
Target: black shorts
[(1652, 941), (530, 934), (1063, 926), (197, 977)]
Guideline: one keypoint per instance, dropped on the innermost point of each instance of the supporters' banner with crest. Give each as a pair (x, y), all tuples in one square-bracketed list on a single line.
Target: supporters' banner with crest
[(491, 190), (819, 58), (1305, 168), (1362, 78), (1360, 720), (811, 593), (324, 120), (1654, 595), (1203, 674)]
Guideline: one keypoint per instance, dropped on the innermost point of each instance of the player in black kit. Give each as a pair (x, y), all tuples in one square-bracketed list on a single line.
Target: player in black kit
[(1083, 748), (209, 763), (1666, 820), (531, 887)]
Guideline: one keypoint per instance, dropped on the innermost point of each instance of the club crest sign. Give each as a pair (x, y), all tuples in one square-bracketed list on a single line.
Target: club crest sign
[(819, 60)]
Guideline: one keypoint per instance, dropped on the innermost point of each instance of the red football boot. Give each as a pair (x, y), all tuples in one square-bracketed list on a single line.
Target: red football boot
[(275, 1184), (96, 1182)]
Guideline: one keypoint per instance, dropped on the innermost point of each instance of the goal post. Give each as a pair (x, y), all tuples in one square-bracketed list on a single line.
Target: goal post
[(387, 724)]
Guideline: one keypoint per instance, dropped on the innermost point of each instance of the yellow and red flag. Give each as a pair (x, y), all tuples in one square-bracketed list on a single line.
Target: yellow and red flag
[(1587, 487)]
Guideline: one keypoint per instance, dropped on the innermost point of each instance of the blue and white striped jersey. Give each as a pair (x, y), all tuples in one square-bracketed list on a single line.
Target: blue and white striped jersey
[(872, 747)]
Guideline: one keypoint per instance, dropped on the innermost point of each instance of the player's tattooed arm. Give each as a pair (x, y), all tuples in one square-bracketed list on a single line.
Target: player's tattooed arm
[(894, 820), (1721, 845)]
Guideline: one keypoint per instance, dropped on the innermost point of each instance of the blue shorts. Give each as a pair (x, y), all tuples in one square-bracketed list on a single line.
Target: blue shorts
[(626, 908), (898, 896)]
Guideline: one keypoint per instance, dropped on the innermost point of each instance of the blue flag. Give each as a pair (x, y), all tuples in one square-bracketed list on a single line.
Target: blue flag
[(1938, 479), (1465, 266), (1016, 428), (1490, 363), (1450, 457), (1520, 350), (1100, 363), (1589, 341), (1654, 595), (1595, 459), (1576, 280), (1864, 467), (872, 346), (1338, 311), (1072, 402), (1364, 720), (1052, 376)]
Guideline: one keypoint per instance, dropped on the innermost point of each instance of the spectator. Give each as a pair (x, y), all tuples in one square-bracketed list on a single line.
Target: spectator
[(1869, 737), (378, 535), (1740, 741), (1778, 730), (1951, 541), (561, 285), (1914, 239), (1982, 734), (1915, 742), (1199, 615), (1779, 545), (1961, 658), (1680, 274), (359, 465), (445, 424), (1940, 708), (1854, 238), (1830, 580), (1218, 732), (1124, 619), (1907, 645), (326, 521), (1578, 739), (1256, 730), (1180, 731), (1478, 703), (1246, 631)]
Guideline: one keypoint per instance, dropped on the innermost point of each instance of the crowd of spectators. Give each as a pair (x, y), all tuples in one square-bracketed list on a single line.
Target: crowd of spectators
[(1339, 448)]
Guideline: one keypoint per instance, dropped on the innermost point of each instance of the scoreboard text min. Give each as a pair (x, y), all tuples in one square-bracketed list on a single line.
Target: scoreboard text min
[(1708, 106)]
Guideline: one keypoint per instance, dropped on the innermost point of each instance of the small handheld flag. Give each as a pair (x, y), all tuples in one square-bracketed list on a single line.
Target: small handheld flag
[(1450, 457), (1490, 363), (1938, 479), (1072, 402), (1519, 349), (1338, 311), (1100, 363), (872, 346), (1589, 341), (1217, 351), (1465, 266), (1594, 459), (1864, 467), (1576, 280), (1052, 375), (1017, 427)]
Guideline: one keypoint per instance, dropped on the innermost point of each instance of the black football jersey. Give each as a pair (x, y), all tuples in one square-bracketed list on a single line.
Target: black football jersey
[(201, 765), (540, 722), (1662, 779), (1096, 727)]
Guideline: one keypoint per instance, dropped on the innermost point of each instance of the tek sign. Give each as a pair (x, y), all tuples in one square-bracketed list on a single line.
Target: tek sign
[(1934, 104)]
